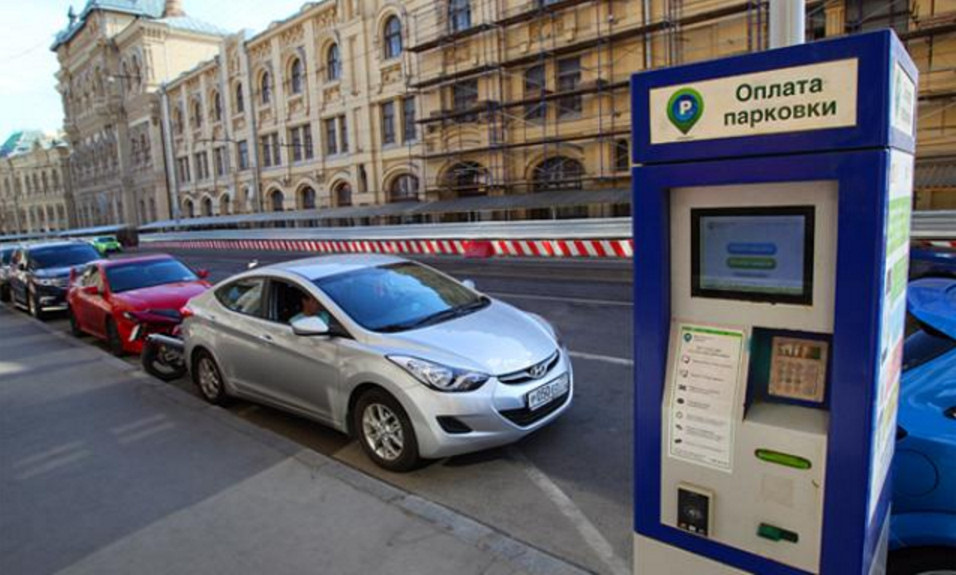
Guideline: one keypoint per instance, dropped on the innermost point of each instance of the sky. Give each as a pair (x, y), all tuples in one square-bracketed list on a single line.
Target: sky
[(28, 96)]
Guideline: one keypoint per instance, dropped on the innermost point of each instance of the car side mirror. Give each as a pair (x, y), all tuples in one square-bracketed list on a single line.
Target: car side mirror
[(202, 274), (310, 326), (470, 284)]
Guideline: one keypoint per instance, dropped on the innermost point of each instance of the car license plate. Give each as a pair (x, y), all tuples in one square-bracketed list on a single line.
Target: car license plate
[(547, 392)]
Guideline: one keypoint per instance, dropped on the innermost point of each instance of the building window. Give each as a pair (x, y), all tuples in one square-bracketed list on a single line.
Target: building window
[(182, 170), (467, 179), (343, 195), (308, 199), (301, 138), (569, 79), (558, 173), (333, 63), (240, 100), (404, 188), (271, 154), (265, 88), (459, 15), (534, 87), (622, 156), (219, 160), (242, 150), (393, 38), (388, 123), (295, 75), (197, 114), (201, 160), (216, 106), (207, 207), (331, 137), (409, 127), (178, 120), (224, 208), (277, 201), (465, 98), (343, 135), (188, 208)]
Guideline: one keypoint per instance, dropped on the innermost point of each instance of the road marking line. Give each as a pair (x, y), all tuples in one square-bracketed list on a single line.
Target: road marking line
[(595, 540), (144, 433), (127, 427), (558, 298), (54, 464), (604, 358), (50, 453)]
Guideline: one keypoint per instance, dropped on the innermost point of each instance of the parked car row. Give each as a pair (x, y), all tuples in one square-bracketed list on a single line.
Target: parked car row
[(410, 361)]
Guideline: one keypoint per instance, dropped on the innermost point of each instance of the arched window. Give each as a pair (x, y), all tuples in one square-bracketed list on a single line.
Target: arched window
[(240, 100), (265, 88), (558, 173), (333, 63), (459, 15), (307, 199), (467, 179), (277, 200), (343, 195), (224, 205), (189, 209), (393, 38), (197, 113), (295, 76), (403, 189), (207, 206), (216, 107)]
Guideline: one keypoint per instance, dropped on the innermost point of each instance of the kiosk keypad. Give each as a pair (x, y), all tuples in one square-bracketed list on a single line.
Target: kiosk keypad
[(798, 369)]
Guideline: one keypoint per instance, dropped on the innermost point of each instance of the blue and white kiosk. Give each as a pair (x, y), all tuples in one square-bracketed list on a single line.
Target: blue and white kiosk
[(772, 197)]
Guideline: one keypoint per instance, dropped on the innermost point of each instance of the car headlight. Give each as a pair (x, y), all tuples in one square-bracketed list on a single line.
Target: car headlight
[(438, 376)]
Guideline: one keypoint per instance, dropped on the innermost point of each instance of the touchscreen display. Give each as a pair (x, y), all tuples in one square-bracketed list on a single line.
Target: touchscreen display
[(761, 254)]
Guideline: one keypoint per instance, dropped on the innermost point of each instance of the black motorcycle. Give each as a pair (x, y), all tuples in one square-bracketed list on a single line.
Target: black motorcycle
[(163, 347)]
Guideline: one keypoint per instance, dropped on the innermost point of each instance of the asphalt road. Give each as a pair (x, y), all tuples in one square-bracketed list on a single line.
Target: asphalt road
[(565, 489)]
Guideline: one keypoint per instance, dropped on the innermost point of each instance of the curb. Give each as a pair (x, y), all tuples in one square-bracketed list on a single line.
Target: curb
[(523, 556)]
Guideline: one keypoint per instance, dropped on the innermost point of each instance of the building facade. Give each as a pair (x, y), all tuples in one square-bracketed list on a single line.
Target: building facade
[(35, 196), (312, 113), (373, 102), (113, 58)]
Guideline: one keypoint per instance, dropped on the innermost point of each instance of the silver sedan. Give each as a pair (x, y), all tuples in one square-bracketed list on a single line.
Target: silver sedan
[(408, 360)]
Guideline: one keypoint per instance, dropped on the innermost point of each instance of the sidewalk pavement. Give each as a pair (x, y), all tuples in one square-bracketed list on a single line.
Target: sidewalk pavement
[(105, 470)]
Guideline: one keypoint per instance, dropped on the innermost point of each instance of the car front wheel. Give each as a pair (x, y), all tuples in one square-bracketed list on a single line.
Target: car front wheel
[(922, 561), (33, 305), (385, 431), (113, 340)]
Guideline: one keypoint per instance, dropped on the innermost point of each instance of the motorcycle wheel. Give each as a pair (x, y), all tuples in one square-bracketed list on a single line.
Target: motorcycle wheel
[(157, 364)]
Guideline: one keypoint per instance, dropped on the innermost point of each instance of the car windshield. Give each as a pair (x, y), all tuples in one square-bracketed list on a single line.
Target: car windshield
[(925, 345), (5, 255), (399, 297), (139, 275), (106, 239), (63, 256)]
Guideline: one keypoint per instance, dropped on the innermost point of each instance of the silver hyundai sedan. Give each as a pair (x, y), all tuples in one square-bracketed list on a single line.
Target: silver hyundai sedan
[(408, 360)]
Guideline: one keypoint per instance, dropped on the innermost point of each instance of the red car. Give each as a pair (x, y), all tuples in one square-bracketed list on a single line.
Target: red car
[(103, 297)]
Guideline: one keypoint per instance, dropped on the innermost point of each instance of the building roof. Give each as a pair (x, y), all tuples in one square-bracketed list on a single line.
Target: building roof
[(151, 9), (23, 141)]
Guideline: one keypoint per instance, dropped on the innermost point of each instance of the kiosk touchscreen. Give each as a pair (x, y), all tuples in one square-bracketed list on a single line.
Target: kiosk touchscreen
[(771, 205)]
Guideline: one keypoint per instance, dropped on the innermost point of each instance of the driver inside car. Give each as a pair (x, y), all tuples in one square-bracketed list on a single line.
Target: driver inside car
[(311, 308)]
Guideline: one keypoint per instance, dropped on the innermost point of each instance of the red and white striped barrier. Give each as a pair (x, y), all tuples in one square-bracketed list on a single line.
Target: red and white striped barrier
[(619, 248), (938, 243)]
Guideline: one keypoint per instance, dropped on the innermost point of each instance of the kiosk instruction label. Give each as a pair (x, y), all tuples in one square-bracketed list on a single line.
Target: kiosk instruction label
[(893, 323), (801, 98), (704, 386)]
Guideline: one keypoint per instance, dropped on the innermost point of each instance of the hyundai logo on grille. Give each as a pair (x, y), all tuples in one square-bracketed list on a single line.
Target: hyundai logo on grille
[(539, 370)]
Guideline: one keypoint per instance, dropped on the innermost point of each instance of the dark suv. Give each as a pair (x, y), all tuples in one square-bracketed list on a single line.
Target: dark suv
[(40, 274)]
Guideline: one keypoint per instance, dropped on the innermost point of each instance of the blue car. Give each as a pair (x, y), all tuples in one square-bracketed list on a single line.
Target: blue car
[(932, 261), (923, 528)]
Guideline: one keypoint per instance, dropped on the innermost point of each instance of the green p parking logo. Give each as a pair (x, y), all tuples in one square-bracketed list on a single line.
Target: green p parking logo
[(684, 108)]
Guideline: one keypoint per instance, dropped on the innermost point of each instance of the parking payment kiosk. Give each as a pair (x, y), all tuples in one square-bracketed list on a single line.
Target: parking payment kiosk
[(772, 196)]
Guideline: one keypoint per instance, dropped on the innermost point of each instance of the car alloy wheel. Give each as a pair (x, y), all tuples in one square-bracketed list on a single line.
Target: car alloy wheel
[(385, 432), (33, 304), (208, 379)]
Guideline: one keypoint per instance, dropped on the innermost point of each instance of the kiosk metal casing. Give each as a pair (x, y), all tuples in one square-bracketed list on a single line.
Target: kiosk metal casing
[(791, 343)]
